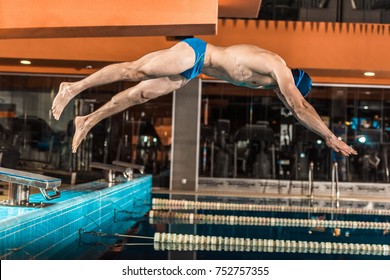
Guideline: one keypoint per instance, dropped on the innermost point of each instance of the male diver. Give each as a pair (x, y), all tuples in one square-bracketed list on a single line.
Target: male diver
[(167, 70)]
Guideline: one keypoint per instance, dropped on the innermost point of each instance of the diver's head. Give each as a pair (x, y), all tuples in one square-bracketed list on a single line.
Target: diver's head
[(302, 81)]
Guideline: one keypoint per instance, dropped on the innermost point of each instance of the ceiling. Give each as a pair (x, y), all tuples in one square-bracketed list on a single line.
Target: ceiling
[(239, 9), (81, 56), (79, 43)]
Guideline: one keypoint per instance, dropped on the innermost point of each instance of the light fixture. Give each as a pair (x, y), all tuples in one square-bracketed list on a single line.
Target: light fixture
[(25, 62), (369, 74), (362, 139)]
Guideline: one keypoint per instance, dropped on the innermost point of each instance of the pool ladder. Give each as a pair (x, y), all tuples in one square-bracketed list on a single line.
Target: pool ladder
[(335, 187)]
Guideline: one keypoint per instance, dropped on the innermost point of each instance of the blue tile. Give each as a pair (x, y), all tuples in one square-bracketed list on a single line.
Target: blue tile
[(49, 229)]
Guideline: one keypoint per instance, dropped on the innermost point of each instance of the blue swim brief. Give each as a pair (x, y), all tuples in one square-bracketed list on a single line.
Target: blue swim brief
[(199, 48)]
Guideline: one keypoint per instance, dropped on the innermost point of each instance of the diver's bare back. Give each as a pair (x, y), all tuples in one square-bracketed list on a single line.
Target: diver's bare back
[(242, 65)]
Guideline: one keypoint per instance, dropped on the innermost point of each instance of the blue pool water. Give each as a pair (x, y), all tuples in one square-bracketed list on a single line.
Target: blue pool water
[(129, 248), (83, 225), (52, 232)]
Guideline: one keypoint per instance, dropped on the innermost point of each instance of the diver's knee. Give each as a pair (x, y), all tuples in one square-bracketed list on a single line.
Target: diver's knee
[(130, 71), (137, 97), (115, 100), (143, 97)]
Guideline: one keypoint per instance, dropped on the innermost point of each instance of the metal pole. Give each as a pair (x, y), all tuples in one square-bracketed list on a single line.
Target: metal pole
[(337, 182), (333, 180), (273, 161), (18, 194), (235, 161), (212, 160), (311, 181)]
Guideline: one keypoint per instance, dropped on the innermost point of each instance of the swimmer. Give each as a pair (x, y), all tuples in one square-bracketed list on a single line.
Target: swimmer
[(164, 71)]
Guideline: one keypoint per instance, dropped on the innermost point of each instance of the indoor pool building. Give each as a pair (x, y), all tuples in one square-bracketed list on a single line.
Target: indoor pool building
[(214, 130)]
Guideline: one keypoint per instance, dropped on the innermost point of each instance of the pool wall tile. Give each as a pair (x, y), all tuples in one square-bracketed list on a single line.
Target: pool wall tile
[(43, 232)]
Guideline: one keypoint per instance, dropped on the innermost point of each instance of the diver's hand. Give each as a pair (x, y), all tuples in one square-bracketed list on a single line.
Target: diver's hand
[(339, 146)]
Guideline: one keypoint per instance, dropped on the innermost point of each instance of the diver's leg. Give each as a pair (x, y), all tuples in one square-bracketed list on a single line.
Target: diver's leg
[(138, 94), (157, 64)]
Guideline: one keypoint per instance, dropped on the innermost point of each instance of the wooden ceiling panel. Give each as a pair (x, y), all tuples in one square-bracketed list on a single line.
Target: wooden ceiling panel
[(239, 8), (102, 18), (332, 52)]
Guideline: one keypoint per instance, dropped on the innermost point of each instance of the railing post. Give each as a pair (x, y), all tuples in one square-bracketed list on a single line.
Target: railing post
[(311, 181), (335, 184)]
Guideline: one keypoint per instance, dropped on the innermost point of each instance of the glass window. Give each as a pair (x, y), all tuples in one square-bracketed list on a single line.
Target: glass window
[(249, 133)]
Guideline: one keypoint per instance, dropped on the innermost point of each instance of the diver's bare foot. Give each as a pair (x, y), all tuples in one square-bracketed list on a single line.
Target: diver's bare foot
[(65, 94), (81, 130)]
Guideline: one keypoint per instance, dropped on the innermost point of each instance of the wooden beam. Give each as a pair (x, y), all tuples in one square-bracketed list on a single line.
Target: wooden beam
[(102, 18), (331, 52), (239, 8)]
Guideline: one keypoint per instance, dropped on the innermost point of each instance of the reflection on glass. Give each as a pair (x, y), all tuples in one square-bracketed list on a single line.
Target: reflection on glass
[(250, 134)]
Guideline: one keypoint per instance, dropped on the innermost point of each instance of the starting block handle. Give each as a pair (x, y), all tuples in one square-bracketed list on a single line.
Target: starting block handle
[(57, 193)]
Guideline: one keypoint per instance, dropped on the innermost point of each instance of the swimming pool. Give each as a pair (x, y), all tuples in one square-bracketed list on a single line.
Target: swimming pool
[(203, 228), (94, 221)]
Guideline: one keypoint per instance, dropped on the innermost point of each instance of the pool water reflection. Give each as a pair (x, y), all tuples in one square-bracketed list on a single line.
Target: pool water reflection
[(365, 226)]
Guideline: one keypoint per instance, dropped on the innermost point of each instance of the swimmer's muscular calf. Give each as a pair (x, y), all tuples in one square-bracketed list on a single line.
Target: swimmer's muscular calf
[(161, 72)]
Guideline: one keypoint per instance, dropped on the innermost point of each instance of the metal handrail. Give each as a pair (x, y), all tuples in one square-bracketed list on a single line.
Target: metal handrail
[(335, 182), (311, 180)]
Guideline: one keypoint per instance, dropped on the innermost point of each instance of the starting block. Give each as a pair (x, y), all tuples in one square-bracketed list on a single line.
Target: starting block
[(133, 166), (20, 183), (110, 170)]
